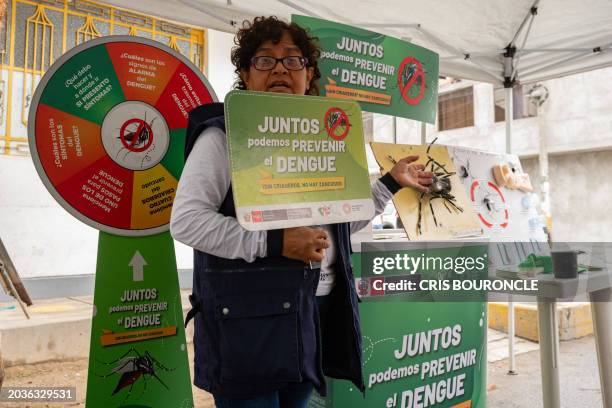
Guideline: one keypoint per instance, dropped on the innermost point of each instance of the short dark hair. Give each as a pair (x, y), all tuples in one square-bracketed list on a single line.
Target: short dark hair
[(250, 37)]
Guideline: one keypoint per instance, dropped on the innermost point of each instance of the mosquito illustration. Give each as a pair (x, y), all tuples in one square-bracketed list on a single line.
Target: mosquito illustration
[(333, 119), (408, 73), (133, 366), (142, 134)]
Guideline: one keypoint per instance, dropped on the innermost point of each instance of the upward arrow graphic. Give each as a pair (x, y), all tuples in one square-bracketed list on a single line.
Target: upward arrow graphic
[(137, 263)]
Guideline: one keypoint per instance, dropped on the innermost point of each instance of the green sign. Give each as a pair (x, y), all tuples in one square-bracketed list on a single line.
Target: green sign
[(385, 74), (417, 353), (296, 160), (138, 353)]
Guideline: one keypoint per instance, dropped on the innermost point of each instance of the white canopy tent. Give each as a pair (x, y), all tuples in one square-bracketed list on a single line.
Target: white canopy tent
[(497, 41)]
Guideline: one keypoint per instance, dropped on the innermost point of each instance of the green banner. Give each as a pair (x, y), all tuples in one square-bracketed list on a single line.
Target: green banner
[(296, 160), (418, 352), (385, 74), (138, 352)]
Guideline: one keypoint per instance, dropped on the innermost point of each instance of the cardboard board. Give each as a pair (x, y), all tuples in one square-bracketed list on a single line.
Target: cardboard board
[(451, 223)]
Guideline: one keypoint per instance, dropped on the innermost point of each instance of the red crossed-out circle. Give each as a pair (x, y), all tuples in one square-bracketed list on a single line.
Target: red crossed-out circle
[(131, 142), (405, 88), (490, 224), (331, 130)]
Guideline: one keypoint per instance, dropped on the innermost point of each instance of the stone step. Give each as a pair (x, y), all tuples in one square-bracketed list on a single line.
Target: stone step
[(574, 319), (58, 329)]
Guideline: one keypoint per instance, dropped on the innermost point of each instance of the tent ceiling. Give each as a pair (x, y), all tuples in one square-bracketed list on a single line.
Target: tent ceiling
[(470, 35)]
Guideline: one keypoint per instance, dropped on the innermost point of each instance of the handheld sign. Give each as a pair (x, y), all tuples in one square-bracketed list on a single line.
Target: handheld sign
[(384, 74), (296, 160)]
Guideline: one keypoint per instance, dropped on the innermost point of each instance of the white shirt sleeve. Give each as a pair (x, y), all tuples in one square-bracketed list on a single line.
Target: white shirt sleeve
[(381, 195), (196, 220)]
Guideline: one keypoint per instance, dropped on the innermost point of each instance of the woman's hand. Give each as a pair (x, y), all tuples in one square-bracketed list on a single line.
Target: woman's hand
[(305, 244), (412, 175)]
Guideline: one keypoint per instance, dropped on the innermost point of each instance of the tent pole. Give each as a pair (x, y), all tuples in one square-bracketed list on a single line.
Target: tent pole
[(394, 125), (543, 164), (509, 118), (423, 133)]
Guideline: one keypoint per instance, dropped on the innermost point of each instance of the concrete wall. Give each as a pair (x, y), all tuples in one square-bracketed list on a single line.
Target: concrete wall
[(580, 191), (576, 117)]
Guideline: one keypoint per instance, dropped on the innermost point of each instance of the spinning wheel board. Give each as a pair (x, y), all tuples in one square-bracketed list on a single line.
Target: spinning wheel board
[(107, 131)]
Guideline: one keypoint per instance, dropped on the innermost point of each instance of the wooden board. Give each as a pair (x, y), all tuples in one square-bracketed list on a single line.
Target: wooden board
[(451, 224)]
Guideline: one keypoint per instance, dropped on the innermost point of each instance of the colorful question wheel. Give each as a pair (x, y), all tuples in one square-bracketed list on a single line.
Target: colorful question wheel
[(107, 131)]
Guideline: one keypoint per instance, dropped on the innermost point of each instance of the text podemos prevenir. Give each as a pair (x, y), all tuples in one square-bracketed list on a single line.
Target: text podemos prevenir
[(143, 308), (365, 64), (447, 386), (297, 126)]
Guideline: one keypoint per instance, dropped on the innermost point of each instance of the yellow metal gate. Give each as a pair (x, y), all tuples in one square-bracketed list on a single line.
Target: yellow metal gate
[(35, 33)]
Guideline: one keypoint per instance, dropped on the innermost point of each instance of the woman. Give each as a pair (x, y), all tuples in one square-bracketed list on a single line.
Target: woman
[(262, 338)]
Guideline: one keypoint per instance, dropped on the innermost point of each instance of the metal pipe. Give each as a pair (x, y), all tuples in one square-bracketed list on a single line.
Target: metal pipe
[(543, 164), (601, 307), (511, 335), (518, 56), (456, 52), (549, 353), (532, 50), (300, 8), (387, 25), (527, 17), (423, 133), (509, 119), (569, 59)]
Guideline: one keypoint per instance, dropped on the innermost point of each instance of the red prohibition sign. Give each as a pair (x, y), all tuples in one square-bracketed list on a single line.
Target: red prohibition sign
[(132, 140), (342, 119), (404, 88), (503, 224)]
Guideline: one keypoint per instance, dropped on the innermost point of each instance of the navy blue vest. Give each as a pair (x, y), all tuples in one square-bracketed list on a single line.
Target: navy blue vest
[(257, 324)]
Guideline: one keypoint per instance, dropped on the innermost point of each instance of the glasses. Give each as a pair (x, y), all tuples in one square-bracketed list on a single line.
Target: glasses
[(292, 63)]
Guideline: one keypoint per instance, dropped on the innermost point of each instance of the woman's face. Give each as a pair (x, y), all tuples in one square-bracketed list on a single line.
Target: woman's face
[(278, 79)]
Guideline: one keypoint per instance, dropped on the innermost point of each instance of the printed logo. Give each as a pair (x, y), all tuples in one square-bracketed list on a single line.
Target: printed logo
[(257, 216), (337, 123), (325, 210), (409, 75), (346, 207)]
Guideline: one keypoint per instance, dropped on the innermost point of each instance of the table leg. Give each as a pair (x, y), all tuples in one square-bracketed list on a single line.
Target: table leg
[(511, 335), (601, 309), (549, 352)]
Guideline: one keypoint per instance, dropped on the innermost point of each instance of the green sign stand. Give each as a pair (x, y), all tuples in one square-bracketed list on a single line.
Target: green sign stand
[(107, 133), (138, 353), (383, 326), (416, 353)]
